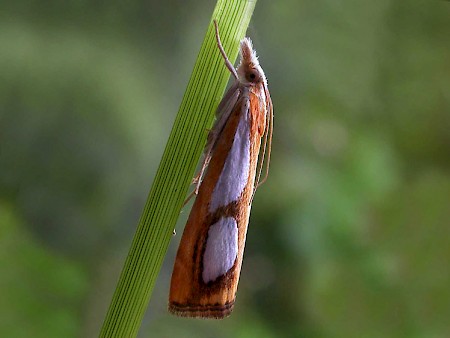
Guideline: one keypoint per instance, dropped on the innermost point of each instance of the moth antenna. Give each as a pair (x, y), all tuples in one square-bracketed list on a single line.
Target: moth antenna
[(222, 51)]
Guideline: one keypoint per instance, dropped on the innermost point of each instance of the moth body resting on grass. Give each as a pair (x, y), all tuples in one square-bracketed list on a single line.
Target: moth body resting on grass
[(208, 263)]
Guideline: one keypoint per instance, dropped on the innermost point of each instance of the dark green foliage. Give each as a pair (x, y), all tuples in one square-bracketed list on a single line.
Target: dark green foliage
[(350, 235)]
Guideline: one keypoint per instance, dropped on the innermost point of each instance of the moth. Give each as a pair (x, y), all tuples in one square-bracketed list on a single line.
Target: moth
[(208, 262)]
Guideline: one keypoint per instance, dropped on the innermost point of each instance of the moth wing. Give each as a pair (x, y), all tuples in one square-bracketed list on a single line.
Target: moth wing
[(197, 290), (223, 113)]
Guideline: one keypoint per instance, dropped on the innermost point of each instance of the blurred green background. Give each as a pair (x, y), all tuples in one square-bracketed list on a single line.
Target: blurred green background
[(349, 237)]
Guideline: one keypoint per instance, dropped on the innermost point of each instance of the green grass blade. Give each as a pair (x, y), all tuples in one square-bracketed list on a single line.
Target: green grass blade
[(169, 189)]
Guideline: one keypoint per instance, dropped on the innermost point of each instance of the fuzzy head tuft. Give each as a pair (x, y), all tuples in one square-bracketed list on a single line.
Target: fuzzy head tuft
[(249, 70)]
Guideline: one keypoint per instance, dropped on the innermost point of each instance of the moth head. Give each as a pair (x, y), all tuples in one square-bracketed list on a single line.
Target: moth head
[(249, 70)]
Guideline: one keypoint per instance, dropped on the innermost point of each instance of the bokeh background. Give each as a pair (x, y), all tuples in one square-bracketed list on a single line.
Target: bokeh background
[(349, 237)]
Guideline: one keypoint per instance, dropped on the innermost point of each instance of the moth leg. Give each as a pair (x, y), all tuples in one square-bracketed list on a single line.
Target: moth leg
[(188, 198), (267, 145), (197, 180), (268, 139), (260, 164), (222, 51)]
